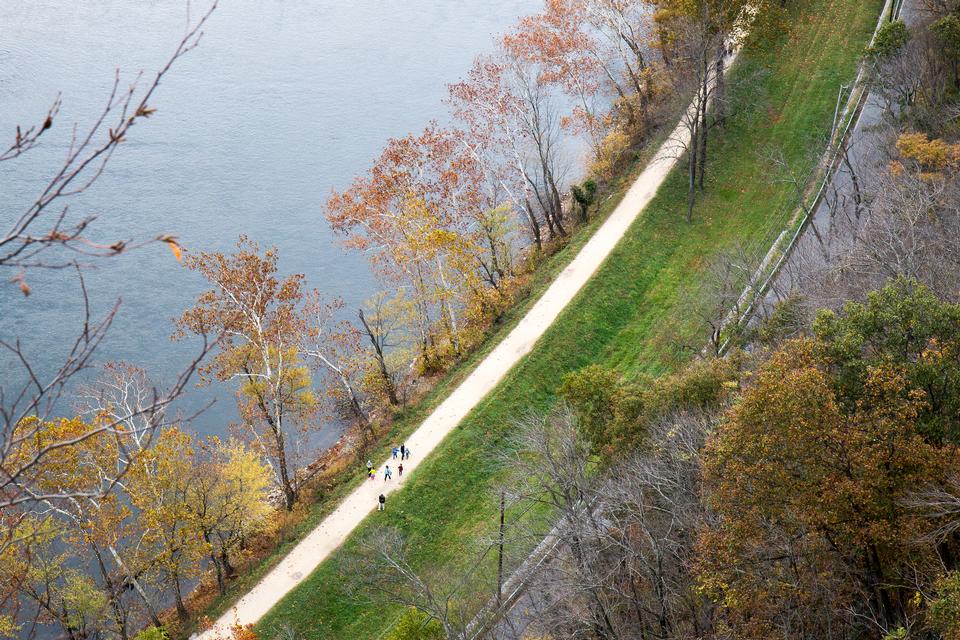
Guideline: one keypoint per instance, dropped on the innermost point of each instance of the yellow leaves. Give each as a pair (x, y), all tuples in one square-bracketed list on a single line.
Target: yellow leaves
[(611, 153), (81, 599), (174, 244), (59, 468), (8, 627), (931, 155)]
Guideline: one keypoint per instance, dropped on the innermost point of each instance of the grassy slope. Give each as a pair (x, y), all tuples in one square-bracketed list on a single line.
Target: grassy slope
[(410, 418), (620, 314)]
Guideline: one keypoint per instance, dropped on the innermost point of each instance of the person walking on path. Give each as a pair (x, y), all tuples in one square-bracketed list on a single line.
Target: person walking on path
[(387, 474), (400, 471), (403, 451), (406, 454), (395, 450), (380, 502)]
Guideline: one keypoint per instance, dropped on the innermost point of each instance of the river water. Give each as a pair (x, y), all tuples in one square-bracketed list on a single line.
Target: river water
[(283, 101)]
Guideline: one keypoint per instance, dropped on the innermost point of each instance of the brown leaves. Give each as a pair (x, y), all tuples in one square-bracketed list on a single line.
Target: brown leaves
[(174, 244), (806, 482), (21, 282), (145, 112), (24, 287)]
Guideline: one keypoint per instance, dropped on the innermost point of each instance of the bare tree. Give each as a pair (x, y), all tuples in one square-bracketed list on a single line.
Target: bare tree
[(698, 71), (45, 235), (380, 571), (632, 551), (382, 327), (552, 466), (725, 289)]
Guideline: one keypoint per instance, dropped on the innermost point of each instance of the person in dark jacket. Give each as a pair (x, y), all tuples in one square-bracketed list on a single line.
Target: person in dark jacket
[(381, 501)]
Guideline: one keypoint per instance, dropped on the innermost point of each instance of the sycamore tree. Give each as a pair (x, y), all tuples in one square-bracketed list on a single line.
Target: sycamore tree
[(599, 52), (83, 522), (159, 487), (262, 322), (335, 347), (229, 495), (412, 214), (382, 321), (511, 126)]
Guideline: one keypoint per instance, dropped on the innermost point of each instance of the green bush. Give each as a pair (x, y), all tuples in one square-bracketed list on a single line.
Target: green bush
[(891, 37), (152, 633), (414, 625)]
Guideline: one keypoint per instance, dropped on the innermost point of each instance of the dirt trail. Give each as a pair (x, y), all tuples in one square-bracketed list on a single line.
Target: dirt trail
[(336, 527)]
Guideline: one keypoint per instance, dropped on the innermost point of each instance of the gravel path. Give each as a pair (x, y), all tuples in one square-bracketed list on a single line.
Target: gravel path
[(337, 526)]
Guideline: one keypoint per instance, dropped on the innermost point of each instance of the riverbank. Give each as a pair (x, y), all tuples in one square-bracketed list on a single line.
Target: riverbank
[(341, 475), (629, 315)]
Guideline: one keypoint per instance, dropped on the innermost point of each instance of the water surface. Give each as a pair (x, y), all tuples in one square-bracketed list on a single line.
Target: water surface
[(282, 101)]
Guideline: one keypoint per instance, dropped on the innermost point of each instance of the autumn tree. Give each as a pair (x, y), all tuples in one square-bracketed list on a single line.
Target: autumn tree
[(229, 494), (57, 474), (86, 523), (809, 482), (382, 322), (261, 318), (511, 126), (906, 324), (335, 348), (414, 214), (598, 52), (160, 485)]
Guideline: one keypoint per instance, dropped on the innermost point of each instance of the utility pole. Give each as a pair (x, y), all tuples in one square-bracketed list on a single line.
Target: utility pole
[(500, 553)]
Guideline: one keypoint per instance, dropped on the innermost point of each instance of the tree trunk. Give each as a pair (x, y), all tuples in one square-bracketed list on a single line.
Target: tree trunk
[(704, 130), (182, 612), (381, 359), (119, 614), (692, 170), (534, 227), (500, 552), (289, 493), (221, 579), (154, 618), (556, 205), (720, 109)]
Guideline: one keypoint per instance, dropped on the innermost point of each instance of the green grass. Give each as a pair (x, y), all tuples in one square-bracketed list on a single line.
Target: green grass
[(407, 420), (623, 317)]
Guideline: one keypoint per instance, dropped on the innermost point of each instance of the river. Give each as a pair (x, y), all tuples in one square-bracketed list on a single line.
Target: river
[(283, 101)]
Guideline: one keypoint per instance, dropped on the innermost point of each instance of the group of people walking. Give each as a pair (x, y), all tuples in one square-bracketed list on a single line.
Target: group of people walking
[(404, 452)]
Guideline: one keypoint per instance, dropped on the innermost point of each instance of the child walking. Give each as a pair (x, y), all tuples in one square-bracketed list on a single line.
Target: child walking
[(387, 474)]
